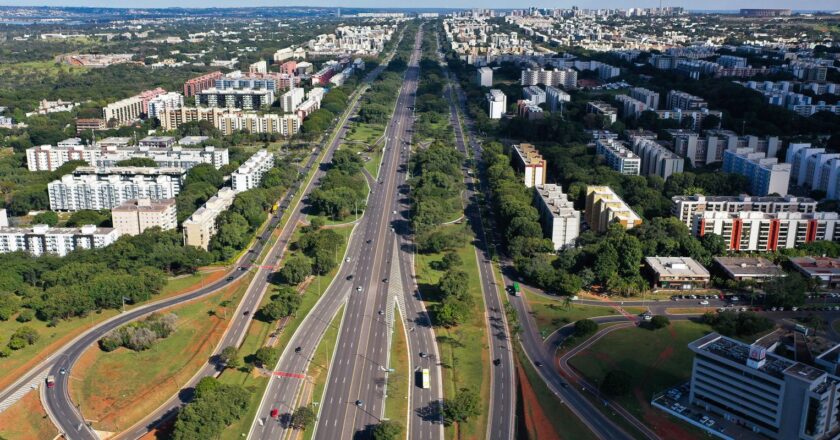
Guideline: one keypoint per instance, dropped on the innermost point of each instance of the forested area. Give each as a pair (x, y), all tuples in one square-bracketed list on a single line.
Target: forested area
[(343, 189)]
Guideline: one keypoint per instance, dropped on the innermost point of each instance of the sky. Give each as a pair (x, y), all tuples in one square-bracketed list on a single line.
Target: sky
[(826, 5)]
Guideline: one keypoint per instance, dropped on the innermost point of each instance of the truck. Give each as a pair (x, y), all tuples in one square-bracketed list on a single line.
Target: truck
[(517, 291), (275, 207), (50, 381), (425, 379)]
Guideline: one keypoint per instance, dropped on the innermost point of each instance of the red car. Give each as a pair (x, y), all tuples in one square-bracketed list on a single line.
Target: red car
[(275, 413)]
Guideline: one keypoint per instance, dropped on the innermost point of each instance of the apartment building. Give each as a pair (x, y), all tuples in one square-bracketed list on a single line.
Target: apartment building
[(649, 97), (291, 99), (307, 107), (4, 219), (656, 159), (238, 81), (173, 157), (90, 125), (618, 157), (560, 220), (528, 110), (768, 232), (201, 226), (630, 107), (49, 158), (285, 125), (42, 239), (530, 162), (684, 101), (555, 98), (686, 208), (732, 61), (250, 173), (258, 67), (813, 168), (165, 101), (171, 119), (135, 216), (246, 99), (496, 104), (484, 77), (767, 393), (601, 108), (534, 94), (704, 150), (604, 207), (563, 77), (106, 188), (695, 117), (195, 85), (766, 175), (123, 111), (157, 142)]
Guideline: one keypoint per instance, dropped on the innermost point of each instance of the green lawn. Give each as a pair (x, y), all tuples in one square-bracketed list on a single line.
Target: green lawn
[(563, 420), (396, 404), (552, 314), (662, 361), (320, 364), (464, 365)]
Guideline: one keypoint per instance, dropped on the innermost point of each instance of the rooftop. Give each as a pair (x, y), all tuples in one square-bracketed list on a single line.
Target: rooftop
[(676, 266), (817, 265), (749, 266), (145, 205)]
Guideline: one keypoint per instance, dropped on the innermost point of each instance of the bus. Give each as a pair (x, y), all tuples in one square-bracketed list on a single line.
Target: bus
[(425, 381), (517, 291)]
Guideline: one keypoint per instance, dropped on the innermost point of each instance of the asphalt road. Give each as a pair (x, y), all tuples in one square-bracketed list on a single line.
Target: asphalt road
[(501, 416), (58, 403), (365, 267)]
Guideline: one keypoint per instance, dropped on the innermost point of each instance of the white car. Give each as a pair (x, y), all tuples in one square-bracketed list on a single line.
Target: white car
[(347, 260), (359, 289), (704, 303)]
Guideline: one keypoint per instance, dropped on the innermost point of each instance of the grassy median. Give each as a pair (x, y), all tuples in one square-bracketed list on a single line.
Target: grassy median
[(396, 402)]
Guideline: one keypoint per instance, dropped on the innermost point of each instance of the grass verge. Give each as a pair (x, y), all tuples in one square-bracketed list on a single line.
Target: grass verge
[(26, 420), (396, 402), (552, 314)]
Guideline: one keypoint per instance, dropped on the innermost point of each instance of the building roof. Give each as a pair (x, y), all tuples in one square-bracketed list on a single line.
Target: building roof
[(749, 267), (529, 154), (816, 266), (145, 205), (676, 266), (47, 230)]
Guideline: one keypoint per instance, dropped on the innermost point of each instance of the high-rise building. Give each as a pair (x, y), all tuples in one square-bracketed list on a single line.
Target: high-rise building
[(560, 220), (165, 101), (649, 97), (496, 103), (42, 239), (684, 101), (631, 107), (285, 125), (531, 163), (686, 207), (656, 159), (123, 111), (171, 119), (246, 99), (766, 175), (291, 99), (812, 167), (601, 108), (106, 188), (567, 78), (250, 173), (484, 77), (135, 216), (197, 84), (709, 149), (604, 207), (755, 231), (201, 226), (534, 94), (618, 157), (555, 98)]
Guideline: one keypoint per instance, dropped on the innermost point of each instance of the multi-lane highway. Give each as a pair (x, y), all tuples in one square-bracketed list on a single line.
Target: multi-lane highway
[(65, 413)]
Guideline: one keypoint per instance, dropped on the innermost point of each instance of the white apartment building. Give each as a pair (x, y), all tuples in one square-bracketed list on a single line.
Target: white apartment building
[(291, 99), (49, 158), (618, 157), (135, 216), (696, 117), (567, 78), (42, 239), (767, 232), (250, 173), (496, 103), (484, 77), (560, 220), (766, 175), (258, 67), (173, 157), (530, 162), (246, 99), (813, 168), (4, 219), (285, 125), (158, 104), (123, 111), (603, 109), (106, 188), (534, 94), (649, 97), (631, 107), (709, 148), (686, 208), (684, 101), (656, 159), (555, 98), (201, 226), (604, 207)]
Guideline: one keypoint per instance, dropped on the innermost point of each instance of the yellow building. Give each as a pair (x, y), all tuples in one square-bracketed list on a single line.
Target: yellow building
[(604, 206)]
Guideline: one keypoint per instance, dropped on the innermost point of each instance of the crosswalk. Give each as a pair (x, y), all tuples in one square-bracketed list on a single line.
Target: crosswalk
[(23, 390)]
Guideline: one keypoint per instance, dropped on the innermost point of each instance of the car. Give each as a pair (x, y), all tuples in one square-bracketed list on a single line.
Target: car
[(274, 413), (360, 402), (347, 260), (497, 361), (384, 280), (423, 354), (368, 242), (298, 349), (394, 211), (381, 312), (62, 371), (230, 278), (247, 312), (704, 303), (358, 288), (349, 277), (564, 384), (243, 268), (538, 364)]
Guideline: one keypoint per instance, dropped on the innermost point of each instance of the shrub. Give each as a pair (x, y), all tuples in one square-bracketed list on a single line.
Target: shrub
[(139, 336), (585, 327), (26, 315), (659, 321)]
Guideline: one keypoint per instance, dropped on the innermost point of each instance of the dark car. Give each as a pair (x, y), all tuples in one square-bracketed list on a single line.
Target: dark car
[(297, 349), (497, 362), (538, 363), (247, 312)]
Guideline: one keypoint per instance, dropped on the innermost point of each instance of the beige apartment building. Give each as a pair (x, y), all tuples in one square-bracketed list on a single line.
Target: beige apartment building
[(135, 216), (604, 206), (201, 226)]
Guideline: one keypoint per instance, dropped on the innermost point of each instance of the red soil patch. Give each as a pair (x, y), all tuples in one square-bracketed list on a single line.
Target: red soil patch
[(536, 422), (26, 419)]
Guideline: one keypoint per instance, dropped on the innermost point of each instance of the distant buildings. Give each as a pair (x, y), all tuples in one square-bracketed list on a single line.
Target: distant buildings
[(555, 98), (484, 77), (201, 226), (496, 104), (765, 12), (123, 111), (246, 99), (814, 168), (106, 188), (695, 117), (135, 216), (766, 174), (709, 149), (530, 162), (679, 273), (604, 207), (648, 97), (656, 159), (193, 86), (767, 232), (165, 101), (534, 94), (603, 109), (631, 107), (42, 239), (686, 208), (618, 157), (684, 101), (567, 78), (250, 173), (560, 220)]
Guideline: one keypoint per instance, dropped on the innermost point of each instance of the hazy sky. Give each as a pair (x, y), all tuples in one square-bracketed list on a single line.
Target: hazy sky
[(828, 5)]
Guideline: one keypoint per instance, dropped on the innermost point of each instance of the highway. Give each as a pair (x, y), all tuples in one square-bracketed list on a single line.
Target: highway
[(66, 414), (358, 284), (501, 416)]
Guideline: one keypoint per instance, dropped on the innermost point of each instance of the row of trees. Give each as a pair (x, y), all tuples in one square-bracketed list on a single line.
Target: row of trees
[(216, 405)]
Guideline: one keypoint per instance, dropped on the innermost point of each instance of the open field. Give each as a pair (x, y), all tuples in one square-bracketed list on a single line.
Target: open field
[(553, 314), (464, 366), (661, 361), (26, 420), (117, 389), (44, 70)]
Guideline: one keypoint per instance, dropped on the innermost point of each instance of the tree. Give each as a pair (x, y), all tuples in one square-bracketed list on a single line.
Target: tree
[(616, 383), (266, 356), (451, 259), (206, 387), (138, 162), (284, 304), (302, 418), (388, 430), (788, 291), (9, 305), (89, 217), (454, 283), (46, 218), (206, 173), (585, 327), (462, 407), (228, 355), (296, 269), (713, 243), (659, 321)]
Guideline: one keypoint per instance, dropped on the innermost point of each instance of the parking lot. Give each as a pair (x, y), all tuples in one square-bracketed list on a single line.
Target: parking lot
[(674, 401)]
